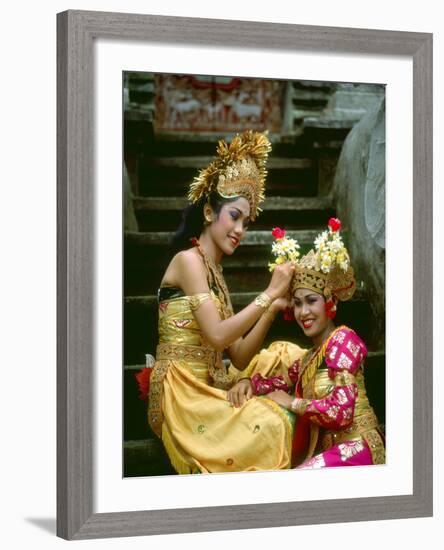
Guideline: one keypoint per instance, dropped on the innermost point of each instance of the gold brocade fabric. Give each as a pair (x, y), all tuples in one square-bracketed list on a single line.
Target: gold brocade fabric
[(364, 426), (200, 430)]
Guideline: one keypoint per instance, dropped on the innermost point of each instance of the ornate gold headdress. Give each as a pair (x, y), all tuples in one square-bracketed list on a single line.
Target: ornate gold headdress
[(238, 170), (326, 269)]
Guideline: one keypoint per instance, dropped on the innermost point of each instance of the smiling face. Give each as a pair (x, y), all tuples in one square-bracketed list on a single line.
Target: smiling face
[(229, 226), (310, 314)]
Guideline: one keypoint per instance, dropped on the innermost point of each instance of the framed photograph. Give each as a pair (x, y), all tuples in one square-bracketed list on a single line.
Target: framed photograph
[(172, 126), (105, 490)]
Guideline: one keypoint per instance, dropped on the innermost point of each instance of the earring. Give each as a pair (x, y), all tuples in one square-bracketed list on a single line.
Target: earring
[(330, 308)]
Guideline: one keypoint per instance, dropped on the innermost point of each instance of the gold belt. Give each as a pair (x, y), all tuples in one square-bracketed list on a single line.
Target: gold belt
[(184, 352), (361, 424)]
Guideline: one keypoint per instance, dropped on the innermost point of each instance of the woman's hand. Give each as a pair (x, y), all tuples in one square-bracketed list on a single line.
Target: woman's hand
[(281, 304), (240, 392), (281, 398), (280, 280)]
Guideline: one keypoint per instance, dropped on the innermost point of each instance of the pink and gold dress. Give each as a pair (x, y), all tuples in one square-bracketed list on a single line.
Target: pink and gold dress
[(336, 425)]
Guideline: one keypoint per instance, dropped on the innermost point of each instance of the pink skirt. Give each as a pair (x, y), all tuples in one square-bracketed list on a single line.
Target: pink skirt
[(349, 453)]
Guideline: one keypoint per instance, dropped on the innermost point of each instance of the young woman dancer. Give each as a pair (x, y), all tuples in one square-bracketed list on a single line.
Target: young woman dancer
[(335, 424), (188, 404)]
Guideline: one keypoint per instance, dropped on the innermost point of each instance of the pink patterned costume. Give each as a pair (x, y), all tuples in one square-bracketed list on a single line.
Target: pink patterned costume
[(336, 425)]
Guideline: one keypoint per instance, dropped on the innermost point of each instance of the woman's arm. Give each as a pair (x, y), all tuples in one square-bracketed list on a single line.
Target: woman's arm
[(245, 388), (243, 350), (344, 355), (264, 386), (335, 411), (188, 272)]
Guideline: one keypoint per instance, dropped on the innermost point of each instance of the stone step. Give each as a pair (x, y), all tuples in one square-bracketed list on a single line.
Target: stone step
[(274, 163), (147, 87), (295, 204), (301, 112), (152, 183), (164, 213), (147, 257), (314, 85), (331, 144), (143, 276), (134, 78), (315, 96), (322, 131), (252, 238), (291, 220), (141, 319), (254, 257), (203, 144), (145, 263), (140, 113), (179, 137), (328, 123), (146, 457), (140, 89), (238, 299), (166, 169)]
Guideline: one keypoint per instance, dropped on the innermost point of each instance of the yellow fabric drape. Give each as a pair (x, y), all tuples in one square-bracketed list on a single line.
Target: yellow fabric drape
[(200, 430)]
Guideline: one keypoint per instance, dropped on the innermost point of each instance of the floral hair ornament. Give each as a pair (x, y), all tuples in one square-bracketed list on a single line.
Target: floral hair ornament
[(326, 269), (284, 248), (238, 170)]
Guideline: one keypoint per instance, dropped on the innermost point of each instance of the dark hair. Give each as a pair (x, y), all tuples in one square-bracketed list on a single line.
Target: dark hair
[(192, 222)]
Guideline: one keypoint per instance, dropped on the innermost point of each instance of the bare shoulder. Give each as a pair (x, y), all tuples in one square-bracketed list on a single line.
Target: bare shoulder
[(186, 271), (188, 260)]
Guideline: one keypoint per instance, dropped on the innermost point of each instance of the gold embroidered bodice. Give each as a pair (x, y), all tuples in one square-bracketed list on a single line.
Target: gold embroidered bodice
[(177, 324), (365, 422), (180, 337)]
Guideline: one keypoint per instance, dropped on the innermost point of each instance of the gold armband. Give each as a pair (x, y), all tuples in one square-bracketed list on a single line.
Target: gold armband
[(196, 300), (263, 300)]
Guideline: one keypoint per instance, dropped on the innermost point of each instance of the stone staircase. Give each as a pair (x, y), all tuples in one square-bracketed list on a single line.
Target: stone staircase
[(300, 171)]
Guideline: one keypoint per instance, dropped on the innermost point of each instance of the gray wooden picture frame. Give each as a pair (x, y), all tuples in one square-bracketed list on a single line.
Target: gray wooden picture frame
[(76, 32)]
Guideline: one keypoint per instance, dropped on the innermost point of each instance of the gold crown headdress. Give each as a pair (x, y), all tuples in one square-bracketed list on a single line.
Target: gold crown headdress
[(238, 170), (326, 269)]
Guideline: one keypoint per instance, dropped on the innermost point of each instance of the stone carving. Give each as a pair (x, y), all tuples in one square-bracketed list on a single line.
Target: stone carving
[(359, 193), (199, 103)]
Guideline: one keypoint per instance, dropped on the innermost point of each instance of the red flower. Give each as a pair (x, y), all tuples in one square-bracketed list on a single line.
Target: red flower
[(194, 241), (143, 381), (278, 233), (289, 314), (334, 224), (330, 309)]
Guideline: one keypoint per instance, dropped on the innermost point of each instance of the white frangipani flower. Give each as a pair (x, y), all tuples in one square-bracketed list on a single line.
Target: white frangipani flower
[(285, 249)]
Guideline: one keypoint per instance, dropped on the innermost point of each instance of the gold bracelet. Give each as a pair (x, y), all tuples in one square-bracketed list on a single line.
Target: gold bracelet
[(299, 405), (263, 300)]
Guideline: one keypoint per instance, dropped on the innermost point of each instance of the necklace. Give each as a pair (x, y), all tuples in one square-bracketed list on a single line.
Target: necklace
[(216, 279), (221, 378), (311, 361)]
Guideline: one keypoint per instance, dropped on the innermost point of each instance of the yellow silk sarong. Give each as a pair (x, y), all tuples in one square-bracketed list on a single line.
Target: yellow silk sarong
[(200, 430)]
